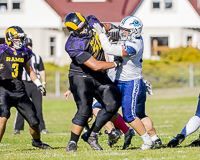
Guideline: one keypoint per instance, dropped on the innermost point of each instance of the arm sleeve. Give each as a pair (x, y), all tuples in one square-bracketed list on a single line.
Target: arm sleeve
[(82, 58), (41, 65), (109, 48)]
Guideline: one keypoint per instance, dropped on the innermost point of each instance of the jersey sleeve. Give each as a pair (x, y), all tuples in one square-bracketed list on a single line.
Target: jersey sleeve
[(29, 54), (76, 48), (92, 19), (41, 65), (131, 48)]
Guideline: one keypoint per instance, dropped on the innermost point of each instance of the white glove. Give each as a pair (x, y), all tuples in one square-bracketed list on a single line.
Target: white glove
[(99, 30), (148, 87)]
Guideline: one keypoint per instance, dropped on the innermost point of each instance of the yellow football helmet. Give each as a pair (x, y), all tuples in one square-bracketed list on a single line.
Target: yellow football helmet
[(14, 32)]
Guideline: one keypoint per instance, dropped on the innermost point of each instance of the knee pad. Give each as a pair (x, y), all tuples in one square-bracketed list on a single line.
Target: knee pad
[(80, 120), (34, 121), (103, 117), (112, 107)]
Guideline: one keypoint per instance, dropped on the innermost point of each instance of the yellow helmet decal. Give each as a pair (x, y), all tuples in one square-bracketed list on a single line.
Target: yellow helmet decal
[(11, 31), (80, 17), (71, 25)]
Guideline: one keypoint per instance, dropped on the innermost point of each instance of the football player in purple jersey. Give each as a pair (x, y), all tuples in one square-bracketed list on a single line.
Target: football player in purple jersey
[(13, 57), (88, 79)]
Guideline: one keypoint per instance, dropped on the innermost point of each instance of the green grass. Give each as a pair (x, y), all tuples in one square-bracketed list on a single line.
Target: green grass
[(169, 116)]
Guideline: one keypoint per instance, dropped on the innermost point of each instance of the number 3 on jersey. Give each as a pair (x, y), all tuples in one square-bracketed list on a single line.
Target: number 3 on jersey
[(15, 66)]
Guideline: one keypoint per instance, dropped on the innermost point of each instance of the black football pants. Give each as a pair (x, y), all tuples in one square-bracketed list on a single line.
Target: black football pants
[(36, 98)]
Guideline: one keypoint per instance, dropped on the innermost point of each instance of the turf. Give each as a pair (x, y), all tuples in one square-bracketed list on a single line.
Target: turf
[(169, 116)]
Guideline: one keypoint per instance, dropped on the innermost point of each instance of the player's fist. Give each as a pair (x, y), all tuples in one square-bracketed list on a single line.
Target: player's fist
[(118, 61), (42, 89)]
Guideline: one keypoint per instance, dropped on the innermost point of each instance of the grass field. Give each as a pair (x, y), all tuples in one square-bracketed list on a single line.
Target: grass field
[(169, 116)]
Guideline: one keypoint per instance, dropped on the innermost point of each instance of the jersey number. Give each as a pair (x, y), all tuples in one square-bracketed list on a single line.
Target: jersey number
[(15, 66)]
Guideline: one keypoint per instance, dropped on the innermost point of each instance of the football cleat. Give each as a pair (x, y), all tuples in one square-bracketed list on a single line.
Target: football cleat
[(195, 143), (157, 142), (16, 132), (176, 141), (44, 131), (113, 137), (92, 140), (147, 145), (86, 135), (71, 146), (40, 145), (127, 138)]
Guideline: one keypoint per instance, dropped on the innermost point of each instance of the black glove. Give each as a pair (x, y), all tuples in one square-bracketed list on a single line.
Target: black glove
[(113, 34), (118, 60), (41, 88)]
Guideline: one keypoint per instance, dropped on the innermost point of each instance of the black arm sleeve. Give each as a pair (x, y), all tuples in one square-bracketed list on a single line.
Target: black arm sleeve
[(41, 65)]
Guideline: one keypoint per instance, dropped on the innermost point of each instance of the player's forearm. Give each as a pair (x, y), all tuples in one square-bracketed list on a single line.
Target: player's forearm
[(101, 65), (95, 65), (109, 48), (33, 75), (43, 75)]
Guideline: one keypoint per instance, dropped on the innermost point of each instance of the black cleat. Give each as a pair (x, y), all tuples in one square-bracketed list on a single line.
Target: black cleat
[(40, 145), (71, 146), (113, 137), (158, 142), (195, 143), (119, 131), (176, 141), (44, 131), (127, 138), (86, 135), (92, 140), (16, 132)]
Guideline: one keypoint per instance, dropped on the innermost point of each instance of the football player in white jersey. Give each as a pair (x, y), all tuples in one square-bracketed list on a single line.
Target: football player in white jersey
[(129, 78)]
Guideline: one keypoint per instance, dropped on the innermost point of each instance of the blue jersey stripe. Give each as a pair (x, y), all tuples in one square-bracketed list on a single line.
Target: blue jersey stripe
[(130, 50)]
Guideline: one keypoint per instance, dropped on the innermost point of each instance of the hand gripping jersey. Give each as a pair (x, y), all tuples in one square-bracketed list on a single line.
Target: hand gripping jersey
[(131, 68), (81, 49), (11, 67)]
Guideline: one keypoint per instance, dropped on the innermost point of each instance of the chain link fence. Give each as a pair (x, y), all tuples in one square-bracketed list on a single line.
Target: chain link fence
[(162, 76)]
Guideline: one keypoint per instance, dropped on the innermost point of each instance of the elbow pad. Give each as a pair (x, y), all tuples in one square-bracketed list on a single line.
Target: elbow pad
[(109, 48)]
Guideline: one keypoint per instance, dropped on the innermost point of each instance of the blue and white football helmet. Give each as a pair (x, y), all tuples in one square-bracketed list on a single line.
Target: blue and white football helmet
[(132, 24)]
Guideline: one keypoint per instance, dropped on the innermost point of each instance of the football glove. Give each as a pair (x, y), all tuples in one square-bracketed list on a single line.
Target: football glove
[(148, 87), (41, 88), (113, 34), (118, 61), (98, 29)]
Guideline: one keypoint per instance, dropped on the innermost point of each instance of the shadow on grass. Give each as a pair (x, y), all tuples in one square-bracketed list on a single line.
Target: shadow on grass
[(32, 149)]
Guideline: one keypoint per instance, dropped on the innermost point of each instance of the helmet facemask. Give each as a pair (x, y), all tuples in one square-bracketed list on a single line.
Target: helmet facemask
[(17, 45), (83, 30)]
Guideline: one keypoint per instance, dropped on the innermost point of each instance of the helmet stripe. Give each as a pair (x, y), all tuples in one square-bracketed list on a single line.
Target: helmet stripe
[(124, 20), (80, 17), (71, 25)]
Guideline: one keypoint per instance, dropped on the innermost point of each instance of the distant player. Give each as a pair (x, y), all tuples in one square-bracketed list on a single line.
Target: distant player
[(129, 78), (13, 57), (191, 126)]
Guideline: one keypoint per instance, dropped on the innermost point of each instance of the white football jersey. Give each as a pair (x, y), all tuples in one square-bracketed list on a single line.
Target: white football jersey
[(131, 67)]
